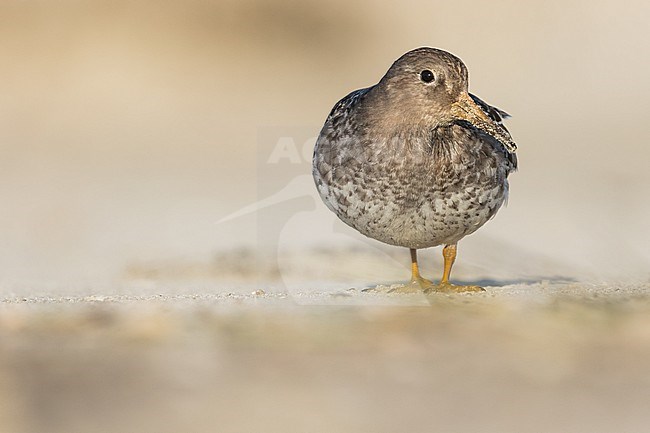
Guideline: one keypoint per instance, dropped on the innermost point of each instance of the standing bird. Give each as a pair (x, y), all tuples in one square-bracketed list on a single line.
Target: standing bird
[(415, 160)]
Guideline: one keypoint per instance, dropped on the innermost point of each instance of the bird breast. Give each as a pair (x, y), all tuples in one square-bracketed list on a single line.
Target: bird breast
[(414, 190)]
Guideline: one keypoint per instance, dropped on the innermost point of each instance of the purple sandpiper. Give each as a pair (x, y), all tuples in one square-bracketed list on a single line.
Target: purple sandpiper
[(416, 160)]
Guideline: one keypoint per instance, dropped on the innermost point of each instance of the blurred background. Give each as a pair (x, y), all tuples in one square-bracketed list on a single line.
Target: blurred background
[(131, 129)]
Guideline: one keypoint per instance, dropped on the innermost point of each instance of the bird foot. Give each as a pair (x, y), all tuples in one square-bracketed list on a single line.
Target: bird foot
[(414, 286), (410, 288), (422, 285), (448, 287)]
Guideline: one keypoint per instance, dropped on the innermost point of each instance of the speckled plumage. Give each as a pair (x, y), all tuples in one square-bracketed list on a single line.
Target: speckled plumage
[(415, 164)]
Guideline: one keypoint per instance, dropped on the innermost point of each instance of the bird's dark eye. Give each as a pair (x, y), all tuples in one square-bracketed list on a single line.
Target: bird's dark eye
[(427, 76)]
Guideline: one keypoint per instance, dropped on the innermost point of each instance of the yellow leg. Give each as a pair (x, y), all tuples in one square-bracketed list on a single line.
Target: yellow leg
[(449, 255), (418, 284), (415, 271)]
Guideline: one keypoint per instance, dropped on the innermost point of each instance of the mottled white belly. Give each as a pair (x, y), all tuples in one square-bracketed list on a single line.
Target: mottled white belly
[(438, 218)]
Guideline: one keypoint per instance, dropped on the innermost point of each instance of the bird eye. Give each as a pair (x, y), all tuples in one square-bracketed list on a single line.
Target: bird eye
[(427, 76)]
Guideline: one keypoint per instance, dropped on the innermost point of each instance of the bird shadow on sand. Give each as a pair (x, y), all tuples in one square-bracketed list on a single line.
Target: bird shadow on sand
[(489, 282)]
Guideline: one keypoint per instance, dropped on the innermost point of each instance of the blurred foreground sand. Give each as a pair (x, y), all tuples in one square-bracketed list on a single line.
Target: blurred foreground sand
[(544, 357)]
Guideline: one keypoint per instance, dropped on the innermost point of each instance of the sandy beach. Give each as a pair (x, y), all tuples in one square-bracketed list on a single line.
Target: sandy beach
[(517, 358)]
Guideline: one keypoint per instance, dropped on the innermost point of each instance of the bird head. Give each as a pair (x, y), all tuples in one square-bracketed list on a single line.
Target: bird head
[(427, 88)]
